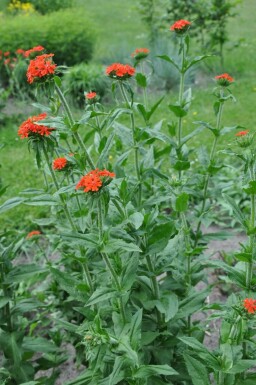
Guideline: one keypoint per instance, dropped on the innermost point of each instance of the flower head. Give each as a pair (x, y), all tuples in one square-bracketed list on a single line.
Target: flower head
[(38, 48), (140, 53), (33, 233), (242, 133), (93, 180), (224, 80), (59, 163), (90, 95), (180, 26), (31, 128), (20, 51), (250, 305), (7, 53), (120, 71), (40, 67)]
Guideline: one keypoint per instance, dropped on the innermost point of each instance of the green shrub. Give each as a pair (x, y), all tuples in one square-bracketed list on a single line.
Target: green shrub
[(46, 6), (84, 78), (67, 34)]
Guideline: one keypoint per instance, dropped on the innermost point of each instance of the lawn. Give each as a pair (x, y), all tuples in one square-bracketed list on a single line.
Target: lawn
[(120, 31)]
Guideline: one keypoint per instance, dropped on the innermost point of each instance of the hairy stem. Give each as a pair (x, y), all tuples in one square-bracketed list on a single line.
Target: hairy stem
[(66, 211), (71, 123), (108, 262), (136, 149), (207, 177)]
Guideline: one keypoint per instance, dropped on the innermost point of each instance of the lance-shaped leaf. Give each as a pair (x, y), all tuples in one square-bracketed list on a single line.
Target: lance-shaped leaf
[(10, 203), (236, 210), (146, 371), (196, 60), (197, 371), (170, 60)]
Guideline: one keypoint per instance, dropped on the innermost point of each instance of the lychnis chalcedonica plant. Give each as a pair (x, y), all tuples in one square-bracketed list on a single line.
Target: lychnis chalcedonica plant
[(127, 207)]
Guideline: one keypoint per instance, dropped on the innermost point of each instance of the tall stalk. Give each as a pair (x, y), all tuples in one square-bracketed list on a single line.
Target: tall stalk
[(67, 213), (136, 149), (249, 265), (181, 92), (108, 262), (207, 177), (72, 123)]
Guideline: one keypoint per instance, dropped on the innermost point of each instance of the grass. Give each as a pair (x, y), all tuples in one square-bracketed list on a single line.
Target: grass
[(120, 31)]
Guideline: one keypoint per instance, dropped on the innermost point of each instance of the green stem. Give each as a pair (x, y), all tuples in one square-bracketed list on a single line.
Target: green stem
[(155, 286), (136, 149), (71, 123), (7, 306), (108, 262), (187, 245), (181, 92), (207, 177), (249, 265), (66, 210), (145, 94)]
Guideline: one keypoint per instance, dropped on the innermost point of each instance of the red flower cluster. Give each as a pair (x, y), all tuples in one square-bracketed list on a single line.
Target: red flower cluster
[(40, 67), (38, 48), (33, 233), (20, 51), (29, 127), (242, 133), (250, 305), (59, 163), (140, 53), (180, 26), (90, 95), (92, 181), (120, 71), (224, 80)]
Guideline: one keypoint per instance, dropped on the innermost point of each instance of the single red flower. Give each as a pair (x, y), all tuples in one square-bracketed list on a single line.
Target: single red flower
[(40, 67), (224, 80), (20, 51), (120, 71), (250, 305), (242, 133), (140, 53), (90, 95), (92, 181), (180, 26), (59, 163), (30, 128), (33, 233), (7, 53), (38, 48)]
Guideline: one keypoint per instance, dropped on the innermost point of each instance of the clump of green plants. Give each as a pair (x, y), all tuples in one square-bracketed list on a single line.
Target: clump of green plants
[(84, 78), (127, 207)]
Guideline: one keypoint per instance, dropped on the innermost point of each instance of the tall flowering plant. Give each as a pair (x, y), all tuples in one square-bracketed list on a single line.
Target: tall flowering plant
[(131, 251)]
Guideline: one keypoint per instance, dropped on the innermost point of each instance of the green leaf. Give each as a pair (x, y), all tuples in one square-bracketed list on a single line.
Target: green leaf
[(105, 152), (179, 111), (57, 80), (114, 245), (141, 80), (136, 219), (159, 237), (168, 305), (10, 203), (42, 200), (170, 60), (181, 165), (236, 210), (146, 371), (39, 344), (24, 272), (30, 383), (87, 240), (181, 203), (251, 189), (196, 60), (129, 271), (197, 371), (4, 301), (26, 305), (10, 346), (101, 294), (135, 328), (71, 285), (242, 366), (247, 381)]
